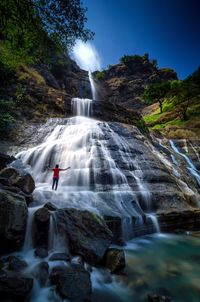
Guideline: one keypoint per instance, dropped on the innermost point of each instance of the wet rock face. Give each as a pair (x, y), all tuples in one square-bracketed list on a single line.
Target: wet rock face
[(179, 220), (11, 180), (114, 259), (72, 282), (5, 160), (15, 288), (13, 217), (16, 264), (25, 183), (41, 272), (86, 232), (41, 227)]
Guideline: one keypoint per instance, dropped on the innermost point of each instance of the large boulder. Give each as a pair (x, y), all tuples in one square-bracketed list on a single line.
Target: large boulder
[(15, 288), (16, 263), (41, 272), (72, 282), (5, 160), (41, 227), (13, 217), (11, 177), (10, 174), (114, 259), (87, 233), (25, 183)]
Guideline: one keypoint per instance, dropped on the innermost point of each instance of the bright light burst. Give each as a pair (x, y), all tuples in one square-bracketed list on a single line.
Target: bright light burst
[(86, 56)]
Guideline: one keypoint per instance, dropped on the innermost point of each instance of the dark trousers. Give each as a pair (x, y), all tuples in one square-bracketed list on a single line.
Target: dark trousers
[(55, 183)]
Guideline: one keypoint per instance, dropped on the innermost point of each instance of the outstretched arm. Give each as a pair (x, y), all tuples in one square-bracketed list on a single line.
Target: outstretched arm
[(65, 169), (49, 169)]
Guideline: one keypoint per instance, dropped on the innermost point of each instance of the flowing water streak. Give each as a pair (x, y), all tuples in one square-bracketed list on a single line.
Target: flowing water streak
[(191, 166), (92, 85), (28, 241), (55, 242), (137, 174), (81, 107)]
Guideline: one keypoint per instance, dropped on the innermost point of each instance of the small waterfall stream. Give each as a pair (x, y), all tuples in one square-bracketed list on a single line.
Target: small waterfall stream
[(193, 170)]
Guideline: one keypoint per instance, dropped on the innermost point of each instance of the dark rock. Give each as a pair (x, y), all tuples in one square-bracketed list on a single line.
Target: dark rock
[(15, 288), (25, 183), (13, 217), (16, 264), (87, 233), (50, 206), (5, 160), (59, 256), (114, 259), (41, 228), (158, 298), (1, 264), (28, 198), (42, 216), (174, 221), (41, 272), (10, 174), (72, 283), (12, 189), (4, 181), (41, 252)]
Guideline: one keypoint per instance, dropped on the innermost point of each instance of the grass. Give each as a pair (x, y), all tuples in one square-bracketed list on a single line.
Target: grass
[(169, 123), (27, 73)]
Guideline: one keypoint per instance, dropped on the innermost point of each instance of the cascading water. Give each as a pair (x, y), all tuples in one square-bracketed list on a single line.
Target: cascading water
[(92, 84), (193, 170), (94, 151)]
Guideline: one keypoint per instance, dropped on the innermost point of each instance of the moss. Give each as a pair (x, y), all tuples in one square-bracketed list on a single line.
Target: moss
[(27, 73), (152, 118)]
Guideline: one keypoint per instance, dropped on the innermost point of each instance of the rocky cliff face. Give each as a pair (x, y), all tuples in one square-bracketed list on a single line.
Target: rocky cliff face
[(124, 83)]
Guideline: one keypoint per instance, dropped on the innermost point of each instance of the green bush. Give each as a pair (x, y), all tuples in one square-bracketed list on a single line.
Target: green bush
[(6, 114), (127, 58), (100, 75)]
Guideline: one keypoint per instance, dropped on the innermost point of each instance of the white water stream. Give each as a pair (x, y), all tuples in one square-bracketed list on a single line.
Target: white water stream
[(193, 170)]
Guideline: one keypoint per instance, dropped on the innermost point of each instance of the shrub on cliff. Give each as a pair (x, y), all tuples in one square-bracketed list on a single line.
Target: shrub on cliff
[(6, 114), (100, 75)]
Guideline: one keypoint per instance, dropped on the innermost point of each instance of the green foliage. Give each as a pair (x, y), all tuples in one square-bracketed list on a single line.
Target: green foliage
[(20, 94), (31, 30), (100, 75), (181, 109), (156, 92), (127, 58), (6, 114)]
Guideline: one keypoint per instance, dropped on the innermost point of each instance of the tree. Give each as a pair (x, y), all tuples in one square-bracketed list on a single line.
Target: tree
[(156, 92), (31, 28), (184, 92)]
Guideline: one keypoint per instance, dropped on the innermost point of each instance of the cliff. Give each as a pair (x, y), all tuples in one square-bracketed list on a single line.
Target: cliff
[(124, 83)]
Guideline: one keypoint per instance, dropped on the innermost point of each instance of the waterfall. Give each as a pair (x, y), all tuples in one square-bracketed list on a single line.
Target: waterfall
[(92, 85), (28, 241), (55, 242), (193, 170), (81, 106)]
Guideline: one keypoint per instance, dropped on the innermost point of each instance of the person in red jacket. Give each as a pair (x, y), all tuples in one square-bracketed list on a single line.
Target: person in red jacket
[(56, 171)]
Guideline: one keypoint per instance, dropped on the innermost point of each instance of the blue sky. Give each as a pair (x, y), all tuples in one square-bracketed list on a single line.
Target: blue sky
[(169, 30)]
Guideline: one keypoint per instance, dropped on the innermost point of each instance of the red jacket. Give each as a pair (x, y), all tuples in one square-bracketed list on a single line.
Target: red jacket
[(56, 172)]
